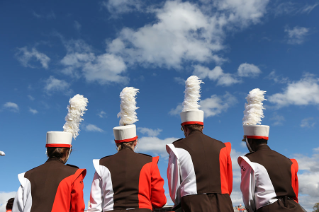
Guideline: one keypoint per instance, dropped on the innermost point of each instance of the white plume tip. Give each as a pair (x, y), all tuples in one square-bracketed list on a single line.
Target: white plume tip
[(76, 110), (192, 94), (128, 106), (254, 107)]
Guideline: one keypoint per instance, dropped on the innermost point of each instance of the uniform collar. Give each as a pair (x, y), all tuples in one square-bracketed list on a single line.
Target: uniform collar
[(54, 159), (263, 147), (195, 132)]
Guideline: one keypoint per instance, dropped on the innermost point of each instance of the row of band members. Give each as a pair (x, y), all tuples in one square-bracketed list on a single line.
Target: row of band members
[(199, 176)]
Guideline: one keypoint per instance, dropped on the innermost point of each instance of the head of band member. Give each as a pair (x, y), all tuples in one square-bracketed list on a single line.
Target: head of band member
[(59, 143), (125, 137), (254, 134), (9, 204), (192, 121)]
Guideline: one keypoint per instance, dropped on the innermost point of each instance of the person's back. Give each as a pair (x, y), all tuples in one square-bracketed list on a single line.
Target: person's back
[(275, 177), (50, 185), (131, 181)]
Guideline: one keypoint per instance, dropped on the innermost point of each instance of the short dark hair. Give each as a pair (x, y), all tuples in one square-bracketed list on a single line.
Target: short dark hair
[(193, 127), (125, 145), (10, 204), (259, 141), (57, 152)]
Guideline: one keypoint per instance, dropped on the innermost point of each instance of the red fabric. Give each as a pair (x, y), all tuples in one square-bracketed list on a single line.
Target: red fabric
[(69, 195), (294, 178), (151, 192), (192, 122), (58, 145), (126, 140), (226, 170), (257, 137)]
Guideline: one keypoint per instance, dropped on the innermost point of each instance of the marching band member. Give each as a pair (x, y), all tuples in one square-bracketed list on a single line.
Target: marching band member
[(269, 180), (127, 180), (199, 169), (54, 186)]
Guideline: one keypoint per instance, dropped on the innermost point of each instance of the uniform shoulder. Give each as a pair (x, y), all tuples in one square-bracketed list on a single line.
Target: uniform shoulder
[(144, 154), (72, 166), (281, 155), (177, 141)]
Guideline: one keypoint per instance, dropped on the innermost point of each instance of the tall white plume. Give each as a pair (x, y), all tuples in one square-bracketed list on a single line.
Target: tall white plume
[(2, 153), (192, 93), (254, 107), (128, 106), (76, 110)]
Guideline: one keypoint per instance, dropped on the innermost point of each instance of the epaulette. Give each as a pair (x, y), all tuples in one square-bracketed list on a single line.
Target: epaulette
[(72, 166), (178, 140), (144, 154)]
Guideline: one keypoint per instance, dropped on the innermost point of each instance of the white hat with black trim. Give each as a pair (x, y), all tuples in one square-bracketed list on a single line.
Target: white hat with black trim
[(253, 114), (126, 132), (190, 113), (71, 129)]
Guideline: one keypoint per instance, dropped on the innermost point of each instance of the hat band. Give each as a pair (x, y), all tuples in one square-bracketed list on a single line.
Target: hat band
[(126, 140), (58, 145), (192, 122), (257, 137)]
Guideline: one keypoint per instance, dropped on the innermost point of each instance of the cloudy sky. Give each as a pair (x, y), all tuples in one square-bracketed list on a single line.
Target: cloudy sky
[(52, 50)]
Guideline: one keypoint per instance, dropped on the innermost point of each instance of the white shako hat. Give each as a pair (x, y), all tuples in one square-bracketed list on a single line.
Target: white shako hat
[(71, 129), (253, 114), (190, 113), (126, 132)]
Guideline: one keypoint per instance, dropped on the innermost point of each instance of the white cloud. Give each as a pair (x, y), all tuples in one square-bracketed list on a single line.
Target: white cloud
[(284, 8), (177, 110), (122, 6), (93, 128), (105, 69), (179, 80), (25, 57), (77, 25), (277, 79), (308, 179), (248, 70), (296, 35), (154, 145), (149, 132), (303, 92), (185, 32), (216, 74), (53, 85), (4, 197), (308, 122), (11, 106), (33, 111), (215, 105), (102, 114), (81, 61), (308, 8)]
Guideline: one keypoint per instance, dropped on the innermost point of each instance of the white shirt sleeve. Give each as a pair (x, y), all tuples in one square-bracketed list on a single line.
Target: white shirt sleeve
[(247, 185), (23, 199), (173, 175), (96, 194)]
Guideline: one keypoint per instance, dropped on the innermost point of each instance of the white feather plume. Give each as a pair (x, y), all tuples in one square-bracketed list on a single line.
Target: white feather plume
[(128, 106), (2, 153), (192, 93), (76, 110), (254, 107)]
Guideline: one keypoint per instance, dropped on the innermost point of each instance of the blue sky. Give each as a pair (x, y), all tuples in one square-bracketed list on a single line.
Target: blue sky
[(52, 50)]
